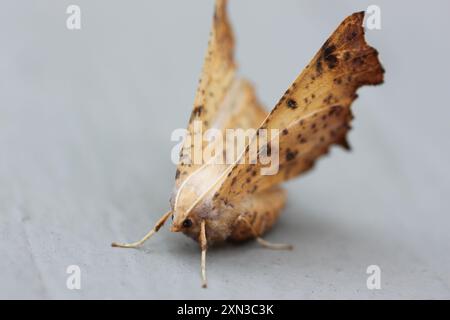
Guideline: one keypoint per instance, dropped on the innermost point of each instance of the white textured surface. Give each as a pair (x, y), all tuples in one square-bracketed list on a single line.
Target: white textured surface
[(85, 123)]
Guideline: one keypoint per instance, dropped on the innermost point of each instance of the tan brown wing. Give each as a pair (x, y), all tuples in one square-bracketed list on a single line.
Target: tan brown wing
[(217, 77), (314, 113), (241, 109)]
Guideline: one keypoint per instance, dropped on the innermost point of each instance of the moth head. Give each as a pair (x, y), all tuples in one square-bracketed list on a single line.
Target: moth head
[(186, 223)]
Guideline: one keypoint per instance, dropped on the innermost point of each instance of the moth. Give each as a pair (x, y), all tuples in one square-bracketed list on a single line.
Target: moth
[(218, 202)]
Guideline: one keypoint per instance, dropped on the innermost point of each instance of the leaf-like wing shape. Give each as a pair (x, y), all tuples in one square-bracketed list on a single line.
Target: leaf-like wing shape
[(314, 113), (217, 78)]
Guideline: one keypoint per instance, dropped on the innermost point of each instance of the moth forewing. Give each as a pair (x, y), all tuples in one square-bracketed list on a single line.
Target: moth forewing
[(314, 113), (216, 80)]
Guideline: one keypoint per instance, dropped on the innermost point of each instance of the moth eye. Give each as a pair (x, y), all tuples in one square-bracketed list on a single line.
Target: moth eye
[(172, 217), (187, 223)]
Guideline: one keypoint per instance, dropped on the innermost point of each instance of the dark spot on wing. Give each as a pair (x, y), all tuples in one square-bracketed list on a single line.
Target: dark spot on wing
[(196, 113), (290, 155), (319, 68), (291, 103), (331, 61)]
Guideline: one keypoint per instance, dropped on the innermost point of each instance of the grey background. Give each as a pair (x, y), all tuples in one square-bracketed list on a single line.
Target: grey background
[(85, 124)]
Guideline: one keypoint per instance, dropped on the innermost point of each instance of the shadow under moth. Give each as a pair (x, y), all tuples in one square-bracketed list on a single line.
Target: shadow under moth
[(215, 202)]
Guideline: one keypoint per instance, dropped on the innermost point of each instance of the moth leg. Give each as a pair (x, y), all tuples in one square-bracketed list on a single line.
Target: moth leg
[(203, 246), (262, 242), (155, 229)]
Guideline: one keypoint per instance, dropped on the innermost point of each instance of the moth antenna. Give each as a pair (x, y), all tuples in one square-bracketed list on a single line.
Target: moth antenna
[(226, 171), (187, 179), (264, 243), (203, 246), (155, 229)]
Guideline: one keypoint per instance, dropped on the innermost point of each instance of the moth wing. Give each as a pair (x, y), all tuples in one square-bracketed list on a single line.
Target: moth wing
[(314, 113), (241, 109), (217, 77)]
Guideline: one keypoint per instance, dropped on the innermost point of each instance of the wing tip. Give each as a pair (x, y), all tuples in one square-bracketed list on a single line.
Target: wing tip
[(352, 30)]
